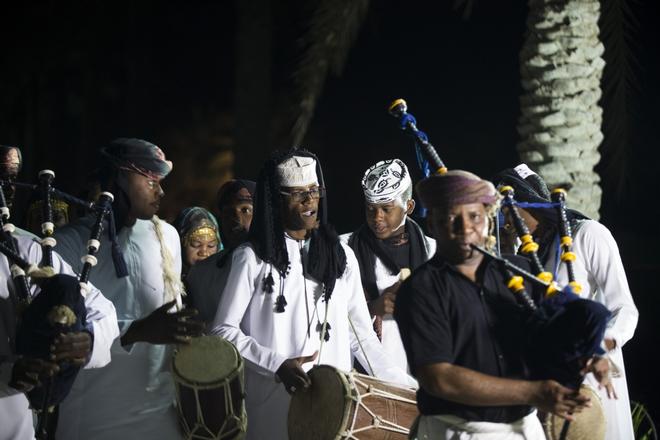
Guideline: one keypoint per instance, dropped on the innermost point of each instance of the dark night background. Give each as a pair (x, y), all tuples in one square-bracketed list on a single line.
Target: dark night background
[(211, 83)]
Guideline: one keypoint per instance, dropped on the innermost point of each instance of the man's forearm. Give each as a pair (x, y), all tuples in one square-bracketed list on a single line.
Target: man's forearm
[(469, 387)]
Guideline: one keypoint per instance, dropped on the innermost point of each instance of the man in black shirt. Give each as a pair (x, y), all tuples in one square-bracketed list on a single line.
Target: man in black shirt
[(463, 330)]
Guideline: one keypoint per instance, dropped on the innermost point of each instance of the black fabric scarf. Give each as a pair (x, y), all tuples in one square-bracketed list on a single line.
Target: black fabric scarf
[(367, 247), (533, 189)]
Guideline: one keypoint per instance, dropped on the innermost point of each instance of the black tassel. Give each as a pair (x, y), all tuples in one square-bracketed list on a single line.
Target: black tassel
[(268, 283), (280, 303), (319, 328)]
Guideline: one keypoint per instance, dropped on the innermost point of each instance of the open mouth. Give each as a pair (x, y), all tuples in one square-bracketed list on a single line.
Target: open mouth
[(309, 213)]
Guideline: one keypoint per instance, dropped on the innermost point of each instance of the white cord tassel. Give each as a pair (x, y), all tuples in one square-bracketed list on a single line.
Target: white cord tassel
[(174, 289)]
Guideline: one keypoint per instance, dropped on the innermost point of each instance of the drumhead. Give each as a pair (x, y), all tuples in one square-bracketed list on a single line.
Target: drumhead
[(206, 359), (321, 411), (588, 424)]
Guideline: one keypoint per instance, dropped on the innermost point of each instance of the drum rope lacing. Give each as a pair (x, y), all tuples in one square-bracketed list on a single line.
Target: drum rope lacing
[(378, 421), (200, 423)]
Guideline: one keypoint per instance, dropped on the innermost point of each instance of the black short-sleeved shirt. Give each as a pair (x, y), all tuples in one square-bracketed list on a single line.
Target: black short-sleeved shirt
[(445, 317)]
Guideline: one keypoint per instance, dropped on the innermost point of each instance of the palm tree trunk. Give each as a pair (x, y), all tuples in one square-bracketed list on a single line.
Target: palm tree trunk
[(560, 123)]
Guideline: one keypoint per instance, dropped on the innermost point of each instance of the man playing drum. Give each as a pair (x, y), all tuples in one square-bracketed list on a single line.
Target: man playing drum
[(294, 296), (463, 335), (139, 269)]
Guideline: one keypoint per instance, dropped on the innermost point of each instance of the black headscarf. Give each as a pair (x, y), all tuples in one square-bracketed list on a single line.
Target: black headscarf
[(367, 247), (533, 189), (327, 259)]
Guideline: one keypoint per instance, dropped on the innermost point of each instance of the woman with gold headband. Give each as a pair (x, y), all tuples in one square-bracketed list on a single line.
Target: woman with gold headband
[(200, 239)]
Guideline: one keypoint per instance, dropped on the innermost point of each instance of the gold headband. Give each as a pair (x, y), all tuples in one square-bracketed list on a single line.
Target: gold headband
[(204, 232)]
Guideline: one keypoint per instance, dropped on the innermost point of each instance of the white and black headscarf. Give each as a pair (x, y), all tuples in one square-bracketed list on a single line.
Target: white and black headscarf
[(386, 181)]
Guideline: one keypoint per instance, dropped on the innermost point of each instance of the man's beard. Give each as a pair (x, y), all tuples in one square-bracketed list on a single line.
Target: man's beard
[(238, 233)]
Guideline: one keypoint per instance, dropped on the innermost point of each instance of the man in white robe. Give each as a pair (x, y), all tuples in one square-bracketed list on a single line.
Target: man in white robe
[(388, 247), (16, 421), (134, 396), (600, 272), (274, 307)]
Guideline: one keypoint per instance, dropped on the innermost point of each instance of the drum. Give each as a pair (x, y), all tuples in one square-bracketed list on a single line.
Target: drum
[(342, 405), (208, 375), (588, 425)]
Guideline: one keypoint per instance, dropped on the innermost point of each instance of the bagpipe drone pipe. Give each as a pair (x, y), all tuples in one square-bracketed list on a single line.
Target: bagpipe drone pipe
[(563, 330), (59, 307)]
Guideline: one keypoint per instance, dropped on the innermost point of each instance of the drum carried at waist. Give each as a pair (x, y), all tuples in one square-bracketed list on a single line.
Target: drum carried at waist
[(208, 375), (342, 405), (589, 424)]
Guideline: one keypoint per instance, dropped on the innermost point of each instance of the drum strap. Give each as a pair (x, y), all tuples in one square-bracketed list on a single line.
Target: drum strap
[(350, 321)]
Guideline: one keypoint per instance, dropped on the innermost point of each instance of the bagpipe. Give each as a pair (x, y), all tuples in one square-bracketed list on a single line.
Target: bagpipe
[(563, 331), (559, 311), (60, 305)]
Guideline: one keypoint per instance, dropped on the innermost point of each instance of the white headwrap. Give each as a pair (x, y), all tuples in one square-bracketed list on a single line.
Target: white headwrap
[(297, 171), (386, 181)]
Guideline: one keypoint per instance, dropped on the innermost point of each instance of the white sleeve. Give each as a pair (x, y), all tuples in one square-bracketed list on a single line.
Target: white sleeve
[(430, 246), (604, 264), (233, 306), (362, 334), (101, 314)]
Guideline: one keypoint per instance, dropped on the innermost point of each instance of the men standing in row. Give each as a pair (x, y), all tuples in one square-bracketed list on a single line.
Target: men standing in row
[(388, 247), (140, 271), (294, 295), (463, 330)]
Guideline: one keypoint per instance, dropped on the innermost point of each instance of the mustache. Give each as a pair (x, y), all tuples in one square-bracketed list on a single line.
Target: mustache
[(237, 228)]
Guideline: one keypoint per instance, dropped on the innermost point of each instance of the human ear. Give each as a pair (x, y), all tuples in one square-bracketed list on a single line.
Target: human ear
[(410, 206)]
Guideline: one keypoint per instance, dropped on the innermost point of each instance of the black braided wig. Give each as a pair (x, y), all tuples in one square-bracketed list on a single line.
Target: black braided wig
[(327, 259)]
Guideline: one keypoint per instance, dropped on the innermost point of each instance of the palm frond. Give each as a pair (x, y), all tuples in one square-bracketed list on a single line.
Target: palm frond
[(619, 27), (333, 27)]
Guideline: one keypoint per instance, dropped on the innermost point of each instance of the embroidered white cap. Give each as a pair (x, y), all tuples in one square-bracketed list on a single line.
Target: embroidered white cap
[(297, 171), (386, 181)]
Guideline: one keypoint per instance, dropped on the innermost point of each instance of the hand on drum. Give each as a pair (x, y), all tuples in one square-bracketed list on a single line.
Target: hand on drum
[(162, 327), (73, 347), (292, 375), (29, 373), (551, 396), (384, 304)]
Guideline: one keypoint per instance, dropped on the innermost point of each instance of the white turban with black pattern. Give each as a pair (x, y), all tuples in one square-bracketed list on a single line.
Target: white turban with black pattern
[(386, 181)]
